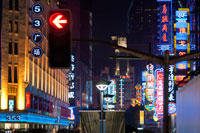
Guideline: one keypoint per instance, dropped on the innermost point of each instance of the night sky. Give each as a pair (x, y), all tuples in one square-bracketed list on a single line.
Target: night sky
[(109, 18)]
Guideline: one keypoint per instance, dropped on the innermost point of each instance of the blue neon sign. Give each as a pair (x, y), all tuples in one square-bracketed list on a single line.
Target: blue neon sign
[(32, 118)]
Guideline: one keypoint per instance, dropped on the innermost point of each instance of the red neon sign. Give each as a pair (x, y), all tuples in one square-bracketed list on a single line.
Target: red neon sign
[(159, 94), (182, 53), (57, 20), (28, 99), (164, 11), (164, 28), (164, 19)]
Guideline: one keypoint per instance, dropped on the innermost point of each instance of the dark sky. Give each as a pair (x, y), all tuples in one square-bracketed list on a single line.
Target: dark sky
[(109, 18)]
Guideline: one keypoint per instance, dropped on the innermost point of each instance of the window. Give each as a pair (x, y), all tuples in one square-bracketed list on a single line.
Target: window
[(16, 48), (10, 26), (10, 48), (16, 27), (10, 4), (9, 74), (15, 74), (16, 5)]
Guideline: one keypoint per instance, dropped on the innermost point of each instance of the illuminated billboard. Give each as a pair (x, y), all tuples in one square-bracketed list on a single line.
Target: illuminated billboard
[(182, 37), (159, 93), (150, 88), (164, 27), (181, 41)]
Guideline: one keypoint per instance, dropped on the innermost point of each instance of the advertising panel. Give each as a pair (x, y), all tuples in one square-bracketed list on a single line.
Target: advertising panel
[(159, 93)]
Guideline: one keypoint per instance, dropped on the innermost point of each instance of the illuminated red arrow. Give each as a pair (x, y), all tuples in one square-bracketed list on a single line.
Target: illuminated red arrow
[(56, 20)]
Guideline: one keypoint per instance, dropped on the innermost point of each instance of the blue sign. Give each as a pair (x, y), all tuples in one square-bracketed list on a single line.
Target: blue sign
[(182, 65), (171, 108), (181, 45), (31, 118), (181, 25), (181, 15), (181, 36), (37, 23), (164, 47), (37, 51), (37, 8), (37, 37)]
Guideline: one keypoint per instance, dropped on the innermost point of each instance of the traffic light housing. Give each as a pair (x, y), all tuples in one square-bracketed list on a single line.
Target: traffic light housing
[(59, 39)]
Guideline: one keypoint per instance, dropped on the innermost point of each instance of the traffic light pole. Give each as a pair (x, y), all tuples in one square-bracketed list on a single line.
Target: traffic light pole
[(165, 61), (166, 86)]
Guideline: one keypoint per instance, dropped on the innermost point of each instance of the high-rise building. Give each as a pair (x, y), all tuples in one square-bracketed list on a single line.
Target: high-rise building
[(32, 94), (142, 24)]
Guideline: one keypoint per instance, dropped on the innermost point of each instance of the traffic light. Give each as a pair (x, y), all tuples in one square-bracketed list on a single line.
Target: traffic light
[(59, 50)]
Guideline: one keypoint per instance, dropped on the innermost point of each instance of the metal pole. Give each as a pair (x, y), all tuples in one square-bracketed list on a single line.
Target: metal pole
[(101, 111), (166, 86)]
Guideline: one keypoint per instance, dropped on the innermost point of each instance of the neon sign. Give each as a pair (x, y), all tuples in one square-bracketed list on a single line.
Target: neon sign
[(181, 37), (164, 27), (28, 99), (172, 108), (171, 89), (149, 91), (182, 43), (138, 88), (71, 81), (150, 88), (159, 93)]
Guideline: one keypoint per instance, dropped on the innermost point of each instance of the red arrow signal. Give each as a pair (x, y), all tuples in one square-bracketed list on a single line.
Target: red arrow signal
[(57, 20)]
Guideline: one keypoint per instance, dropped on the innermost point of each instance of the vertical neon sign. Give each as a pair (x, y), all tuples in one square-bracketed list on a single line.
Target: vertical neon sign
[(159, 93), (181, 37), (164, 27), (150, 84), (71, 79)]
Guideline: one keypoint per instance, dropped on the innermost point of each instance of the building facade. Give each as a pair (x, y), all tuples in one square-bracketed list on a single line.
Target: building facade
[(32, 94)]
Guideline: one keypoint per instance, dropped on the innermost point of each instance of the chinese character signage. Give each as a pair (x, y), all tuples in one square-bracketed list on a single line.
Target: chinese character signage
[(71, 81), (150, 88), (164, 26), (182, 43), (149, 92), (159, 93), (171, 91)]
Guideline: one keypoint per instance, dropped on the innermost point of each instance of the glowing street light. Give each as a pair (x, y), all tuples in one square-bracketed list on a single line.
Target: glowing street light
[(107, 98), (102, 85)]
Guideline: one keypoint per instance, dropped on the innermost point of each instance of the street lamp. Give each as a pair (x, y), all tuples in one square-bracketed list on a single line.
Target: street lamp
[(107, 98), (102, 85)]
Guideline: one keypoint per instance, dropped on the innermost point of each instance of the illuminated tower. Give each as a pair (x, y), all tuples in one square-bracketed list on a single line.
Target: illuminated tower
[(122, 66)]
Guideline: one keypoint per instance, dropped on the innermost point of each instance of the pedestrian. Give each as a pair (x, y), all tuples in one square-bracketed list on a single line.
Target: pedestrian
[(132, 117)]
